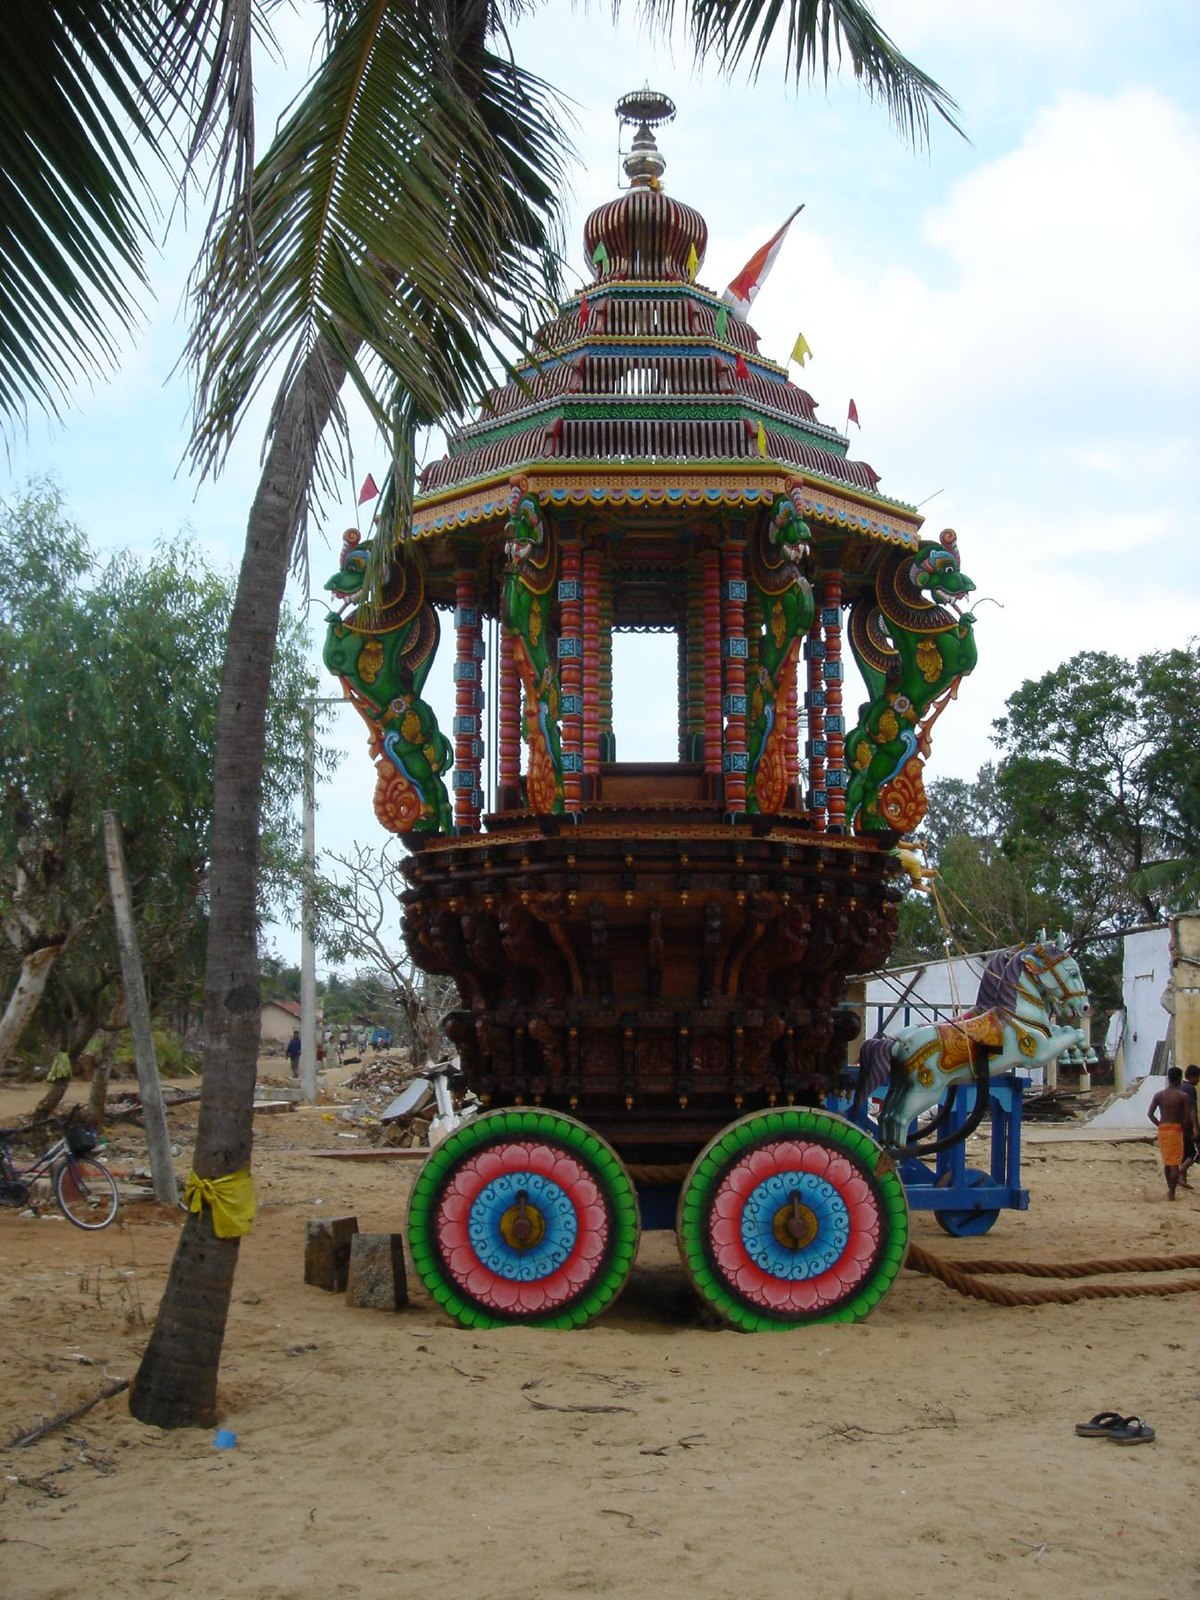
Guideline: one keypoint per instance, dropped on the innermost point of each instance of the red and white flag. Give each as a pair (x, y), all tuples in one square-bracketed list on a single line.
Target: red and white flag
[(369, 490), (740, 293)]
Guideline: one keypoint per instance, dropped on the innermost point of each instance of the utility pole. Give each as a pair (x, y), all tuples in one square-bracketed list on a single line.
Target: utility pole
[(308, 943)]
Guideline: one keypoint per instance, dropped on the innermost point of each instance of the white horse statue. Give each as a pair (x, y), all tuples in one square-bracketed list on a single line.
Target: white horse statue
[(1010, 1025)]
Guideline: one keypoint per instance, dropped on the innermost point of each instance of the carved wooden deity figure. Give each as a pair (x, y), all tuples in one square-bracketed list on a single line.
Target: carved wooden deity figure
[(785, 595), (529, 577)]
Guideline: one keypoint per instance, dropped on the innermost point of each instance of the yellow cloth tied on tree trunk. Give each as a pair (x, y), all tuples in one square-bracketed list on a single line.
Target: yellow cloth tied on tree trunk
[(230, 1199)]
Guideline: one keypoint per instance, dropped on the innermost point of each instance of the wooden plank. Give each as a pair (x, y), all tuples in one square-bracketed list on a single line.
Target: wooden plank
[(372, 1154)]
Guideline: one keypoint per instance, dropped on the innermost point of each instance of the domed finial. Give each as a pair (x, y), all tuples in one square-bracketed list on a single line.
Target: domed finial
[(644, 110)]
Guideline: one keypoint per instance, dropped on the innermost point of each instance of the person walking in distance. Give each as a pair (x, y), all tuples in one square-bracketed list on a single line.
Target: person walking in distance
[(293, 1052), (1191, 1078), (1175, 1113)]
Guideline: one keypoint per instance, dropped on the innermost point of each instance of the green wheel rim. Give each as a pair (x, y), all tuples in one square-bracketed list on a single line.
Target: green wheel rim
[(749, 1267), (590, 1199)]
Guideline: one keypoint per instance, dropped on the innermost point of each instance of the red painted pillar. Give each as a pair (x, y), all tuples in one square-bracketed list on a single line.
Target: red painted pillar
[(793, 725), (835, 721), (509, 733), (570, 671), (607, 743), (814, 706), (468, 703), (734, 652), (713, 727), (691, 731), (592, 666)]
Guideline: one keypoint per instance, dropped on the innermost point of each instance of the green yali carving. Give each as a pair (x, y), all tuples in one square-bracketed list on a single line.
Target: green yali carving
[(913, 647)]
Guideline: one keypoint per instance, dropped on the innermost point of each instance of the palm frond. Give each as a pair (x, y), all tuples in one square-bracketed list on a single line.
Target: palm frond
[(72, 210), (405, 217), (817, 35), (94, 93)]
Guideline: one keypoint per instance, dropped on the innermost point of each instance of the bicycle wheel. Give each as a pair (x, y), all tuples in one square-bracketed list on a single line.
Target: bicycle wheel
[(86, 1192)]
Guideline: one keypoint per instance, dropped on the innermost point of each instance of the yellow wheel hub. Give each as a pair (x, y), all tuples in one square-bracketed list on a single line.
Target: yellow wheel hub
[(795, 1225), (522, 1226)]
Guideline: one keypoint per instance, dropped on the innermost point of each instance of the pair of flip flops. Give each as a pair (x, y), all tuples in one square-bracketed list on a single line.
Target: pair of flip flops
[(1112, 1425)]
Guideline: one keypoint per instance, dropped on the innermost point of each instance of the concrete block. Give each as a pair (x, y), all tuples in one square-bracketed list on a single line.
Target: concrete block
[(327, 1252), (377, 1276)]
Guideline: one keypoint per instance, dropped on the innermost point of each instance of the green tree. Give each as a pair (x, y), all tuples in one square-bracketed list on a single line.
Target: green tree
[(109, 679), (1100, 784), (401, 228), (985, 894)]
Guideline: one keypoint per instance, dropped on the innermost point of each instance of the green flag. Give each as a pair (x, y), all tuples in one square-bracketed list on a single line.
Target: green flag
[(722, 321), (600, 256)]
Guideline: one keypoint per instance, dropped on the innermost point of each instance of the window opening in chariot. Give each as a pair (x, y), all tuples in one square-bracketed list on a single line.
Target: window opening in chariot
[(645, 709)]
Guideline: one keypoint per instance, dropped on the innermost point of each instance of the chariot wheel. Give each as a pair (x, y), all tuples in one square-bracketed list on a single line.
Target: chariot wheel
[(523, 1216), (790, 1217)]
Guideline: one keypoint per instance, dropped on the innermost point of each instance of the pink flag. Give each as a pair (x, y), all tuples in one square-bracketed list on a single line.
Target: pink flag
[(368, 491), (749, 280), (852, 416)]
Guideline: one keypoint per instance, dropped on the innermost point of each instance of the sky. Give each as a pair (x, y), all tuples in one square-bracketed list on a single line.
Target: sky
[(1015, 315)]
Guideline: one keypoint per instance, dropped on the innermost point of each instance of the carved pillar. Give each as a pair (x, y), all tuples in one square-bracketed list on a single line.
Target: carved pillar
[(814, 706), (835, 721), (711, 589), (793, 727), (691, 728), (570, 670), (468, 703), (608, 747), (592, 666), (509, 732), (734, 651)]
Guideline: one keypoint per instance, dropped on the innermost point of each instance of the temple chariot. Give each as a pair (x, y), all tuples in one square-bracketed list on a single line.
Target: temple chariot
[(651, 956)]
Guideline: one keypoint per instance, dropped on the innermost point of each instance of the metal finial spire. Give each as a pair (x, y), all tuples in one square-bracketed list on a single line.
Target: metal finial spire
[(644, 110)]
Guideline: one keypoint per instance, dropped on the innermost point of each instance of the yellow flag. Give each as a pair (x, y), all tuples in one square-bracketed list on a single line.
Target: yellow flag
[(693, 262), (800, 350), (762, 440)]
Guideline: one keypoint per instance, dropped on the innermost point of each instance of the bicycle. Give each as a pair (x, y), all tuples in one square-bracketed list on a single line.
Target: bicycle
[(84, 1188)]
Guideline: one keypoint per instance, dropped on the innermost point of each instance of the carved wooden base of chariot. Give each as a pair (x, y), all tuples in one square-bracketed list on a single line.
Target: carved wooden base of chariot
[(672, 981), (656, 973)]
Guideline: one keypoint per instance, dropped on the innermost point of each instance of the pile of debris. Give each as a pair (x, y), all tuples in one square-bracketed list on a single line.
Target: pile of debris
[(1060, 1105)]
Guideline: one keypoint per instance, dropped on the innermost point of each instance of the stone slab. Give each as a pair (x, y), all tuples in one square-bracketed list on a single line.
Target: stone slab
[(378, 1280), (327, 1252)]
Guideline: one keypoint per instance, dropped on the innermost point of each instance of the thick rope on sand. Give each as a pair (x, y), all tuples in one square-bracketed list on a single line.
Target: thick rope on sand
[(962, 1277)]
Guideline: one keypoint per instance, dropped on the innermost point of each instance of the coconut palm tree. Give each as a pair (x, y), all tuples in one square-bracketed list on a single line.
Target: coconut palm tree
[(402, 228)]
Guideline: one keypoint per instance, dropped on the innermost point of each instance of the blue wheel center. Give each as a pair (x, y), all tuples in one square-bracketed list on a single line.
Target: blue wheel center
[(522, 1226), (818, 1241)]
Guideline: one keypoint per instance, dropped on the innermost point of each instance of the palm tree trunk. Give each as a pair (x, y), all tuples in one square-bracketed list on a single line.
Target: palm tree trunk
[(176, 1383)]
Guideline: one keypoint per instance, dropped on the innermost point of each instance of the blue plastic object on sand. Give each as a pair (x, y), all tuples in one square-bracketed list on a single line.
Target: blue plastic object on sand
[(225, 1440)]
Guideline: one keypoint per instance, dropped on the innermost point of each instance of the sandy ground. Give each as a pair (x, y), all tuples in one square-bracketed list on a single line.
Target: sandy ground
[(928, 1451)]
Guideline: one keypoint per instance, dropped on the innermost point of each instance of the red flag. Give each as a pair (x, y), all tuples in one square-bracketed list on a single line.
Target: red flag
[(852, 416), (740, 367), (368, 491), (749, 280), (583, 311)]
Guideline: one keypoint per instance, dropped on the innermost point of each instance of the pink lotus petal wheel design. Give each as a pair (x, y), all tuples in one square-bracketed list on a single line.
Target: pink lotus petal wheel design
[(523, 1216), (792, 1216)]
